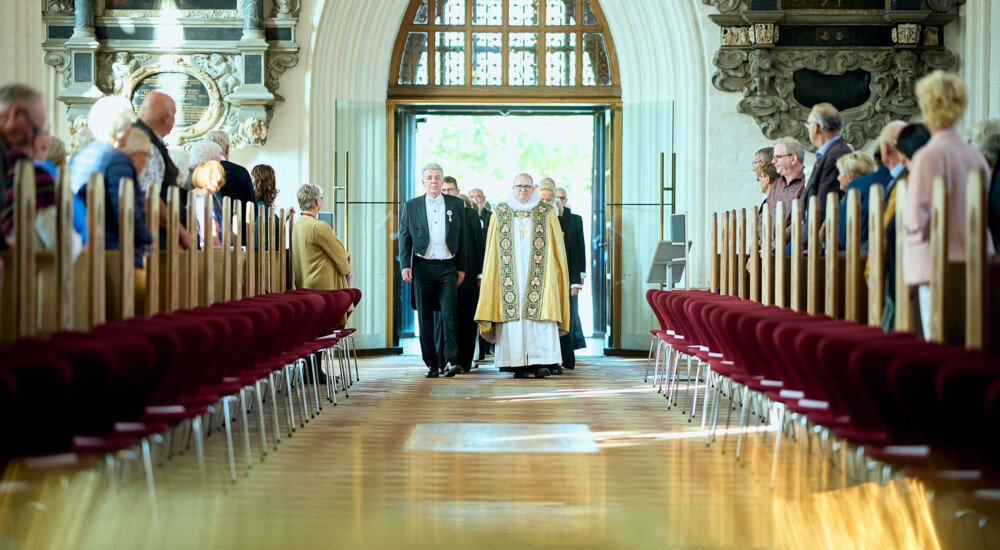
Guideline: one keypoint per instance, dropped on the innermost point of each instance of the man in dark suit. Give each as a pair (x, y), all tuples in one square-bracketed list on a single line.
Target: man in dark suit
[(574, 224), (824, 131), (432, 257), (466, 327), (239, 185), (156, 120), (484, 214)]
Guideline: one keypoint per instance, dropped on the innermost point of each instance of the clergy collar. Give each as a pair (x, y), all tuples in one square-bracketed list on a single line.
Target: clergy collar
[(519, 207)]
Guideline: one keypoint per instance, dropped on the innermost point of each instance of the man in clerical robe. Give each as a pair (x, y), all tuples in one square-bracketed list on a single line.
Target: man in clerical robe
[(524, 298)]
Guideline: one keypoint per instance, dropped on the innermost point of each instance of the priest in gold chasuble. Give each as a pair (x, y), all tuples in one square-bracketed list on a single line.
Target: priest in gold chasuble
[(524, 295)]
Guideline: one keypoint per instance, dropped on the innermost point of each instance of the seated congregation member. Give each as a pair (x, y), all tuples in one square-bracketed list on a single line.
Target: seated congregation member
[(858, 171), (320, 260), (208, 178), (156, 119), (942, 99), (45, 195), (203, 151), (111, 120), (239, 184), (547, 194), (524, 300), (986, 138)]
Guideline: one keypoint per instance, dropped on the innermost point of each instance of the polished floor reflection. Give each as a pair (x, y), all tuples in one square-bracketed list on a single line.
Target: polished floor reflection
[(589, 459)]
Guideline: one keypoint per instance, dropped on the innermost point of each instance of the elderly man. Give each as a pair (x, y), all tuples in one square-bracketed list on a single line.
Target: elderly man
[(574, 224), (479, 198), (468, 291), (524, 300), (432, 257), (156, 120), (239, 185), (888, 171), (788, 157), (22, 116), (824, 132)]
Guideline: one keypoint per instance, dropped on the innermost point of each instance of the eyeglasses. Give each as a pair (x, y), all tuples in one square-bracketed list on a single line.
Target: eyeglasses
[(523, 186), (782, 156)]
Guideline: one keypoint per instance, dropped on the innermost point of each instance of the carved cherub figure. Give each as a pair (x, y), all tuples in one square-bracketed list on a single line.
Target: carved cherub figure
[(761, 72), (123, 66), (223, 71)]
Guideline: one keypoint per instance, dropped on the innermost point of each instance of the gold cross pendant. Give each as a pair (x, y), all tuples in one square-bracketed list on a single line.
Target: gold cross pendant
[(522, 232)]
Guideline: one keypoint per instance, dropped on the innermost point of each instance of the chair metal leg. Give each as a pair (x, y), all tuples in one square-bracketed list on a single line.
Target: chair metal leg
[(704, 403), (227, 419), (271, 383), (354, 346), (288, 398), (331, 380), (246, 429), (777, 443), (341, 359), (300, 377), (315, 374), (743, 416), (199, 446), (147, 463), (260, 420), (645, 377)]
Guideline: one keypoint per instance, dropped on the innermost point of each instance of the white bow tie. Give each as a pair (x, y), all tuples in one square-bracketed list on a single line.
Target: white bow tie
[(437, 202)]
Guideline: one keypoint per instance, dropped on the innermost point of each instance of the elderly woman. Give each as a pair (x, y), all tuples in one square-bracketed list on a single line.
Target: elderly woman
[(207, 178), (111, 120), (320, 260), (942, 100), (852, 166)]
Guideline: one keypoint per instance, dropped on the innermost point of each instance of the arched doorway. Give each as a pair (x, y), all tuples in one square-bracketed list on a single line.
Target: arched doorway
[(528, 56)]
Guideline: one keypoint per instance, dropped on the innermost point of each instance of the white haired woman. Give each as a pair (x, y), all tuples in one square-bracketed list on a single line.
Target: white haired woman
[(110, 120)]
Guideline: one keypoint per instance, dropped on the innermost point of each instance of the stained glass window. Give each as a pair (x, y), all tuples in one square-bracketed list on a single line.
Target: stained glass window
[(470, 44)]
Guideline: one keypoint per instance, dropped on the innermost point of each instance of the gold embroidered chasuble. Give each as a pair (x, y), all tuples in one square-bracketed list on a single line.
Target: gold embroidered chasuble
[(546, 292)]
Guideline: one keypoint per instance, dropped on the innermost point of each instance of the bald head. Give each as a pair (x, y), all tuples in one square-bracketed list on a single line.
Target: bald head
[(887, 143), (157, 112)]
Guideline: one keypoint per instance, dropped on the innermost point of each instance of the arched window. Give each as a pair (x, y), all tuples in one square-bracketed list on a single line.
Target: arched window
[(480, 48)]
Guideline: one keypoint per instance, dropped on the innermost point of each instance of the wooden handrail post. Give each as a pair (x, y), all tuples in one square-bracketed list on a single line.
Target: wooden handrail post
[(780, 264), (876, 257), (976, 289), (939, 260), (852, 275), (812, 258), (796, 256), (832, 289)]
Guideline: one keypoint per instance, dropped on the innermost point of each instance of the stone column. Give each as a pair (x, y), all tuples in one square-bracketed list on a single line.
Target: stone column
[(83, 19), (253, 19)]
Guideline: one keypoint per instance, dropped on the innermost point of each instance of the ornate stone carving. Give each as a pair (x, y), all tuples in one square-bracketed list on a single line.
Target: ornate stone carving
[(113, 69), (193, 14), (725, 6), (61, 61), (286, 8), (217, 110), (932, 36), (943, 5), (277, 64), (764, 77), (223, 68), (252, 133), (53, 7), (906, 34), (77, 124), (735, 36), (764, 34)]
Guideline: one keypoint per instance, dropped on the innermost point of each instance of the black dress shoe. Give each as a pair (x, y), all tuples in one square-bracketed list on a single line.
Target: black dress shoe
[(557, 370), (432, 374), (466, 368), (520, 373), (542, 372), (451, 370)]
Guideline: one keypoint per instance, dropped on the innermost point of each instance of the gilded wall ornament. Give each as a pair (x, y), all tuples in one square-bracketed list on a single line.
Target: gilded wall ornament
[(907, 34)]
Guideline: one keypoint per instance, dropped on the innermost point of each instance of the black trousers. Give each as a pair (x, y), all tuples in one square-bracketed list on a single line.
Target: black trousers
[(465, 325), (435, 288), (575, 326)]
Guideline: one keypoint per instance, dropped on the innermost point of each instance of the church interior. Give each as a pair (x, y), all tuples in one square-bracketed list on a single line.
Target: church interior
[(763, 232)]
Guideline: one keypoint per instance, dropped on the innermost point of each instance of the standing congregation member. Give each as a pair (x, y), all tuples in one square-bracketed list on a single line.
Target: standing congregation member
[(484, 213), (468, 291), (824, 125), (432, 258), (321, 261), (788, 157), (239, 184), (547, 194), (524, 299), (942, 99), (858, 171), (574, 224)]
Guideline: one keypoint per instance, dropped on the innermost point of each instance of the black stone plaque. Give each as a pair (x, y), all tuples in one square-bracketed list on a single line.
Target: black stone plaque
[(170, 4), (843, 91), (833, 4), (188, 92)]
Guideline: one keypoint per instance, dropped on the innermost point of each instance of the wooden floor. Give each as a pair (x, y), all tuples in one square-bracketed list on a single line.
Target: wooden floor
[(589, 459)]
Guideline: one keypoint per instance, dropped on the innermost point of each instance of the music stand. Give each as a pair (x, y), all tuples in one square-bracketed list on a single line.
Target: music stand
[(670, 257)]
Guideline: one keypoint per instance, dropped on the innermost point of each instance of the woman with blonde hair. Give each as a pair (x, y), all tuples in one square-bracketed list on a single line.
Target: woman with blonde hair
[(207, 178), (852, 166), (942, 100)]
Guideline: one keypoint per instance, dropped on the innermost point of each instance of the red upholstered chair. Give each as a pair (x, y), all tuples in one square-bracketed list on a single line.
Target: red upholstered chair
[(39, 376), (652, 296)]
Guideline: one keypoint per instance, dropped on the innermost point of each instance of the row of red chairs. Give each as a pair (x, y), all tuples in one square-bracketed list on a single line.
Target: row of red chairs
[(900, 400), (125, 383)]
